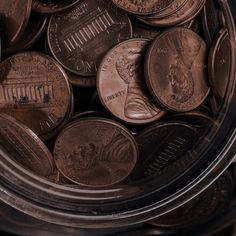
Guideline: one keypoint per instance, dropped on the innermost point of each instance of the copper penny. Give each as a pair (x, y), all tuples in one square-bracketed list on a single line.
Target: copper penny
[(187, 12), (143, 7), (211, 20), (15, 17), (32, 33), (24, 146), (79, 38), (201, 209), (220, 63), (176, 70), (121, 83), (95, 152), (34, 89), (52, 6), (160, 146)]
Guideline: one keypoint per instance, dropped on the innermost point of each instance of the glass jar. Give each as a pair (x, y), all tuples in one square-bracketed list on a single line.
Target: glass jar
[(44, 206)]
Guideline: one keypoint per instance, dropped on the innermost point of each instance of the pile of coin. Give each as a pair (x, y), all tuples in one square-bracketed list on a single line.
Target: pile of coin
[(108, 92)]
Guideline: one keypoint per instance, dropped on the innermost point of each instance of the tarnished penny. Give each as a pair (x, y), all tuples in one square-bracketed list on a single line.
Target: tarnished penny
[(143, 7), (15, 17), (161, 145), (176, 70), (187, 12), (211, 20), (203, 208), (80, 37), (121, 83), (52, 6), (220, 63), (95, 152), (34, 89), (32, 33), (24, 146)]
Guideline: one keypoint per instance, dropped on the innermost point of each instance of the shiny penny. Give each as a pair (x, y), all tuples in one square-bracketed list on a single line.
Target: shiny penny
[(80, 37), (143, 7), (203, 208), (176, 70), (34, 89), (187, 12), (161, 145), (95, 152), (52, 6), (32, 33), (15, 17), (121, 83), (23, 146), (220, 63)]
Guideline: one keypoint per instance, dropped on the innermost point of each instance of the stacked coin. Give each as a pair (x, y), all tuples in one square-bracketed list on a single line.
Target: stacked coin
[(119, 91)]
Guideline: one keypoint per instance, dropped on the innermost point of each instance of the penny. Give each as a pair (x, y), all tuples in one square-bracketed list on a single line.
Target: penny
[(187, 12), (200, 121), (220, 63), (143, 7), (95, 152), (161, 145), (203, 208), (82, 81), (121, 83), (24, 147), (88, 113), (176, 70), (32, 33), (80, 37), (15, 17), (34, 89), (52, 6), (211, 20)]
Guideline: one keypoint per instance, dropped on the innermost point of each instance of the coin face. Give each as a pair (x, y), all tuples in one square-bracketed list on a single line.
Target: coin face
[(23, 146), (35, 90), (187, 12), (161, 145), (95, 152), (52, 6), (202, 208), (220, 63), (121, 83), (15, 17), (80, 37), (143, 7), (176, 70)]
